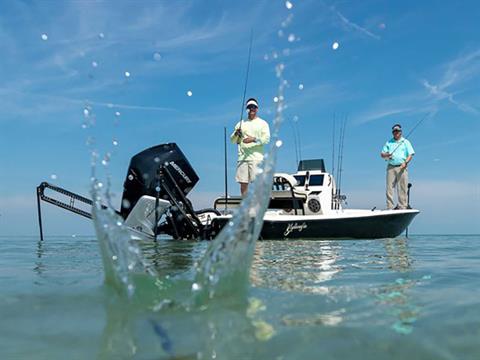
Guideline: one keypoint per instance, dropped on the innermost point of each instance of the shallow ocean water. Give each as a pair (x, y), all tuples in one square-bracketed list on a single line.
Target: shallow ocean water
[(416, 298)]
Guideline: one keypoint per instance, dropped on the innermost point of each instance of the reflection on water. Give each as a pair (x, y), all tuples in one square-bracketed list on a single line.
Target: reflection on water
[(39, 266), (396, 296), (304, 266), (321, 267)]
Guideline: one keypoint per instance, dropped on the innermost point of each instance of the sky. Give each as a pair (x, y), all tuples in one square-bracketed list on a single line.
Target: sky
[(77, 75)]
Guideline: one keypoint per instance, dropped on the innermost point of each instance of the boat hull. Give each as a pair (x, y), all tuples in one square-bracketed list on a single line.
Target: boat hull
[(387, 225), (365, 225)]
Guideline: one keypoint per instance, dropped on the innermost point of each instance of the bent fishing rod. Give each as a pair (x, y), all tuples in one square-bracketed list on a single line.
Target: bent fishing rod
[(246, 84)]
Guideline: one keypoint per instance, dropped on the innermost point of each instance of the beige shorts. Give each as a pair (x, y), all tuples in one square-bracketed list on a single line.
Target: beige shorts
[(246, 171)]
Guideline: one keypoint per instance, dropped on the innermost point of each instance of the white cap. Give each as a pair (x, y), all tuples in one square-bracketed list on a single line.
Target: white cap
[(252, 102)]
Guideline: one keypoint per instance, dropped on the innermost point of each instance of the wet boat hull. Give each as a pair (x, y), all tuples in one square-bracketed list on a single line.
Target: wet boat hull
[(388, 225), (368, 227)]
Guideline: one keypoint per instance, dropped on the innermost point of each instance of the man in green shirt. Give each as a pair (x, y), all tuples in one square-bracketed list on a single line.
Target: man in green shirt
[(398, 152), (251, 135)]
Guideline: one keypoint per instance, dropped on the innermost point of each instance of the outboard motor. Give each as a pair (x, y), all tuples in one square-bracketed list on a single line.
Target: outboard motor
[(145, 175)]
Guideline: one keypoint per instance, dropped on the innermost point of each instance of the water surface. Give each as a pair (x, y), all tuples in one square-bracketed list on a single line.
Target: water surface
[(415, 298)]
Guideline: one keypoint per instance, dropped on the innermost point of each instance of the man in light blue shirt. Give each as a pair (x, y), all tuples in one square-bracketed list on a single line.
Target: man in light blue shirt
[(398, 152)]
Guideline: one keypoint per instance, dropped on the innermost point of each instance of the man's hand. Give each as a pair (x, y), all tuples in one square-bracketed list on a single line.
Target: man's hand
[(238, 132), (248, 140), (404, 165), (386, 155)]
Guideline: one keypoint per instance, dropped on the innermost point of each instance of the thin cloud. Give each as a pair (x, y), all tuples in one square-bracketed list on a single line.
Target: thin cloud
[(456, 77), (354, 26), (459, 72)]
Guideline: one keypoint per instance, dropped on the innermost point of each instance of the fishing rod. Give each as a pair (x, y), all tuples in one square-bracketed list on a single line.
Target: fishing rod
[(410, 132), (343, 126), (295, 142), (225, 166), (333, 156), (333, 143), (246, 84)]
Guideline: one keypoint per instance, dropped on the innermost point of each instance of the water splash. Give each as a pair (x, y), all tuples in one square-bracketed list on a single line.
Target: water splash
[(228, 259)]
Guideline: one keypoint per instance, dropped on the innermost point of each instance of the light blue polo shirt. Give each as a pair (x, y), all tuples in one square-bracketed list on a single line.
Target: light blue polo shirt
[(399, 155)]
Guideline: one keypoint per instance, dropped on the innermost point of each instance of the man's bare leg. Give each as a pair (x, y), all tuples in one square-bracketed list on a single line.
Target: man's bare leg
[(243, 188)]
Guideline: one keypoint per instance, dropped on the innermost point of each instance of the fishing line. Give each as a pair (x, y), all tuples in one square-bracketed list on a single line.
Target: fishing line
[(410, 132)]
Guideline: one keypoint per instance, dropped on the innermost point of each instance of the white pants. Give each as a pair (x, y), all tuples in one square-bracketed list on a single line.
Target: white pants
[(397, 177), (246, 171)]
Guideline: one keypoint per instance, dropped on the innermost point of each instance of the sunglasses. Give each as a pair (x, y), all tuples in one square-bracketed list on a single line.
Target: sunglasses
[(249, 107)]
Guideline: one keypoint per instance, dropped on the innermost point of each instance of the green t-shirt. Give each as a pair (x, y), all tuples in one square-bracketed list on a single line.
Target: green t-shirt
[(257, 128)]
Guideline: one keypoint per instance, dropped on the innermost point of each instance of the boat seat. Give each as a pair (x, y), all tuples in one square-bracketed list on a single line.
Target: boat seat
[(285, 195)]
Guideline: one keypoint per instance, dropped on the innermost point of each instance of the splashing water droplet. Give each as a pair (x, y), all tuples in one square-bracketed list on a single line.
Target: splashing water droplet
[(274, 55), (130, 177), (157, 56), (117, 113), (94, 64), (335, 45), (275, 99), (265, 57), (126, 204), (295, 118), (189, 93), (291, 38), (288, 5), (115, 142), (127, 74), (101, 35), (44, 37), (53, 177), (278, 143), (86, 112), (300, 86), (280, 33), (195, 287), (114, 257), (156, 159)]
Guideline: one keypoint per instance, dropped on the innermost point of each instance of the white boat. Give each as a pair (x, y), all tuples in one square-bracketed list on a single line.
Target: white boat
[(303, 205)]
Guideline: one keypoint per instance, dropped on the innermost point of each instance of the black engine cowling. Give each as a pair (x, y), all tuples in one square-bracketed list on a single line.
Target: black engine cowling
[(143, 174)]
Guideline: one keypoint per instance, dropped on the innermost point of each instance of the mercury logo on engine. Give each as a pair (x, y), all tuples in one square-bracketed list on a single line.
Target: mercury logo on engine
[(180, 171)]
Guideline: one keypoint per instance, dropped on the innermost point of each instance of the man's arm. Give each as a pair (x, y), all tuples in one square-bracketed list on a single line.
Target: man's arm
[(407, 160), (236, 135), (410, 153), (385, 154), (263, 139)]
